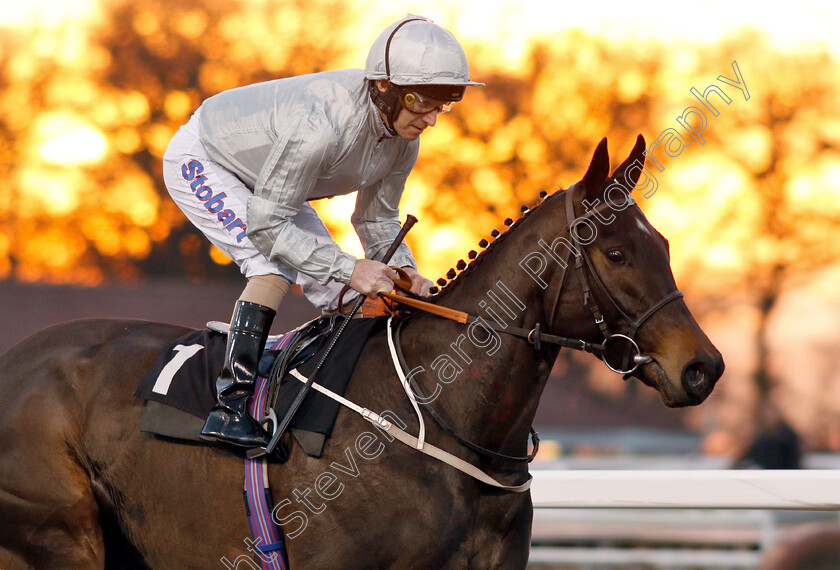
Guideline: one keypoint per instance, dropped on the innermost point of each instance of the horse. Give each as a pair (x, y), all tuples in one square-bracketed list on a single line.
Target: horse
[(82, 487)]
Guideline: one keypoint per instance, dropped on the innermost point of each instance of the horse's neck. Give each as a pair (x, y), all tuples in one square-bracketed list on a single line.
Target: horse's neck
[(488, 383)]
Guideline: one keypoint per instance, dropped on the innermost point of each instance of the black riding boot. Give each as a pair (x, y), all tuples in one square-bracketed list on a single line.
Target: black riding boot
[(229, 421)]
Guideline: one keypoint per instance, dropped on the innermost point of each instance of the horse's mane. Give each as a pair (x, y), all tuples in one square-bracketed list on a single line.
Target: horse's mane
[(488, 246)]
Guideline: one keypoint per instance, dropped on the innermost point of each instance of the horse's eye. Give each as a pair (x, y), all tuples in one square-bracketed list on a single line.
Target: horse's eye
[(615, 256)]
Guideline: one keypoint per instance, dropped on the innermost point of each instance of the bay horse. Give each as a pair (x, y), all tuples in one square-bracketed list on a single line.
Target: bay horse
[(82, 487)]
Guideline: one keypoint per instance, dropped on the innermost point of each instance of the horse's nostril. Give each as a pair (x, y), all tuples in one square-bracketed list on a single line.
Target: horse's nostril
[(696, 379)]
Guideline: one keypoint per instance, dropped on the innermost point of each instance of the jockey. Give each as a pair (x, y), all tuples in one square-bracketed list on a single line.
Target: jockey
[(245, 166)]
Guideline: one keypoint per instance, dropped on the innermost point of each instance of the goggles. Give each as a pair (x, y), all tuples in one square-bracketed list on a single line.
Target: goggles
[(422, 104)]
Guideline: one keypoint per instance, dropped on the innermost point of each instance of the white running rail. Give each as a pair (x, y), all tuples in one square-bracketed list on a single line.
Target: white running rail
[(807, 489), (708, 518)]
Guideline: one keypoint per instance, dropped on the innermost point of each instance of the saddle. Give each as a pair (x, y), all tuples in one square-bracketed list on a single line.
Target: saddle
[(180, 388)]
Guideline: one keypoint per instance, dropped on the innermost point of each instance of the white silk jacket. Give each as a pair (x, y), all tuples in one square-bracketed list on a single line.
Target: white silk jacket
[(302, 138)]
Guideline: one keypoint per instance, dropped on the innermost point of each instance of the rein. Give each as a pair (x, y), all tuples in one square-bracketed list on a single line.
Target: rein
[(445, 426), (534, 336)]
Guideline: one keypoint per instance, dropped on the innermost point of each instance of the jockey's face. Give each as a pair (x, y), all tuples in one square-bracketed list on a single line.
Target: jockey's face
[(409, 124)]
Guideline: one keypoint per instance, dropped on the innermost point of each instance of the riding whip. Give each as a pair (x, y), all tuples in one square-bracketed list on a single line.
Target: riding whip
[(287, 419)]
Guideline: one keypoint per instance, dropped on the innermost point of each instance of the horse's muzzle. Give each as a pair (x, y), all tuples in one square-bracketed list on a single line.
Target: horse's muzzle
[(700, 375)]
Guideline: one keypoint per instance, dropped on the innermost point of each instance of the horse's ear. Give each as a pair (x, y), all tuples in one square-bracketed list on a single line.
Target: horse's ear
[(598, 169), (637, 154)]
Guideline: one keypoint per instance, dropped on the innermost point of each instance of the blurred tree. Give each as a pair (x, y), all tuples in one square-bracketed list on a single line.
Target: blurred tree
[(88, 112), (765, 184)]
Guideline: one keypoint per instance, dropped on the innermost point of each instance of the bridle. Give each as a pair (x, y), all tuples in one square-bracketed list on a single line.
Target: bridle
[(618, 351)]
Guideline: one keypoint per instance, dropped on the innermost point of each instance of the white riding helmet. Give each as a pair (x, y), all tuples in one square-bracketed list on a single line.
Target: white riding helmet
[(415, 52)]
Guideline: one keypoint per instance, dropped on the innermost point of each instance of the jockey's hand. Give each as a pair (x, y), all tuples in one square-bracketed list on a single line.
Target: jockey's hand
[(419, 284), (372, 277)]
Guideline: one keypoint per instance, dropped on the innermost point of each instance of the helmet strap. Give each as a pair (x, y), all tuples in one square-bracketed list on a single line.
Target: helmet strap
[(388, 103)]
